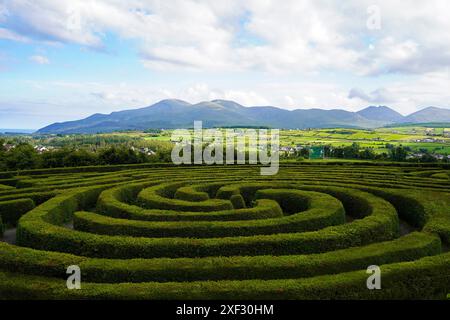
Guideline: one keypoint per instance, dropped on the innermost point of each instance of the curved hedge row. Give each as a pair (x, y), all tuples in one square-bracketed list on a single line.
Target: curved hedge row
[(12, 210), (212, 232), (115, 202), (2, 227), (426, 277), (39, 229), (54, 264), (155, 198), (314, 211)]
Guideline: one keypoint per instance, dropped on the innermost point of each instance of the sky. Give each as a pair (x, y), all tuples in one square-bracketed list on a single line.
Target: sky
[(65, 60)]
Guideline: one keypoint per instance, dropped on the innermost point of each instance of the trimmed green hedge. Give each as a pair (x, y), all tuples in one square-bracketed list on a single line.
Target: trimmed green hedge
[(429, 210), (114, 203), (328, 263), (189, 194), (37, 197), (355, 206), (314, 211), (409, 208), (8, 183), (12, 210), (426, 277), (39, 229), (54, 264), (237, 201), (100, 224), (2, 227), (441, 226), (161, 197), (441, 175)]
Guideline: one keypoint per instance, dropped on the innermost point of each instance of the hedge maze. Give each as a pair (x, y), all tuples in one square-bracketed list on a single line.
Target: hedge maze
[(225, 232)]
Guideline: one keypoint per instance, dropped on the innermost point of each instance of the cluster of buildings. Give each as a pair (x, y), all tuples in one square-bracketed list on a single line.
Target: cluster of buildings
[(8, 146), (289, 149), (419, 155), (144, 150), (430, 140), (42, 149)]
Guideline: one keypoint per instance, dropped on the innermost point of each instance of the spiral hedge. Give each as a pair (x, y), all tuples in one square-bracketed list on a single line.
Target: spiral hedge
[(225, 232)]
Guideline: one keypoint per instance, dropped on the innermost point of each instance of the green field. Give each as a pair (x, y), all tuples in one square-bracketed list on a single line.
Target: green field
[(226, 232), (414, 144), (375, 139)]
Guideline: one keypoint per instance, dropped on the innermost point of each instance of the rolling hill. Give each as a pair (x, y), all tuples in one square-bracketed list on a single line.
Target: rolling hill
[(430, 114), (172, 113), (381, 113)]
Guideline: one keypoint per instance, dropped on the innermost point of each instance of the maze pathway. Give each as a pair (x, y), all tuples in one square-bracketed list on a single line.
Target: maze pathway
[(225, 232)]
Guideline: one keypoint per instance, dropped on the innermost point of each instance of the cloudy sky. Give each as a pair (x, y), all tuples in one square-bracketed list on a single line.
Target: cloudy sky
[(63, 60)]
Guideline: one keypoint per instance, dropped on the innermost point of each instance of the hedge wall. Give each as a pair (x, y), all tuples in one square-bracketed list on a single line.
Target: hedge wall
[(12, 210), (427, 277)]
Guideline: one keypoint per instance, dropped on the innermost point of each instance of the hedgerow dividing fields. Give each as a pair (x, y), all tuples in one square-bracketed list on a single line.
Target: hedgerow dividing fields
[(164, 232)]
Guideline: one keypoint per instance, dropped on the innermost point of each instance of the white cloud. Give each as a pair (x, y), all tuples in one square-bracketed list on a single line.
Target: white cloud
[(431, 89), (277, 53), (380, 95), (11, 35), (40, 59), (295, 36), (122, 96)]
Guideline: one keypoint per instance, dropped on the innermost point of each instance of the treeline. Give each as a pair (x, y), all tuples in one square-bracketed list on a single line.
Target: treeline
[(355, 151), (91, 142), (24, 156), (397, 153)]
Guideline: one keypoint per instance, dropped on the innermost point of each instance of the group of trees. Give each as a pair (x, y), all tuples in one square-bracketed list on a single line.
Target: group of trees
[(354, 151), (297, 154), (24, 156), (91, 141), (397, 153)]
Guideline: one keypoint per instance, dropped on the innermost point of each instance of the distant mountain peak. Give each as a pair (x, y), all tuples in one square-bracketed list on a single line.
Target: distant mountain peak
[(172, 101), (429, 109), (228, 103), (380, 113), (377, 108), (429, 114)]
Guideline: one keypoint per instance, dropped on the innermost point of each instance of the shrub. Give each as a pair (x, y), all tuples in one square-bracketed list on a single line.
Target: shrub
[(12, 210), (189, 194), (2, 227), (237, 201)]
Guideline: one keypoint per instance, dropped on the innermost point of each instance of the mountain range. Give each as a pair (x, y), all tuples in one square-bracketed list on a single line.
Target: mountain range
[(172, 113)]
